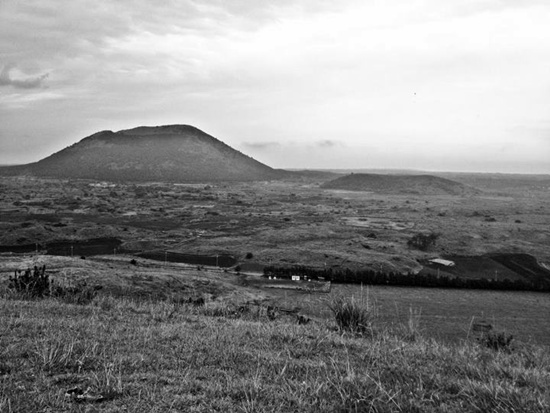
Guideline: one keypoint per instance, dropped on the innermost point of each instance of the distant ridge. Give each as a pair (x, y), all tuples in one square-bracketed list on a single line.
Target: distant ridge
[(400, 184), (174, 153)]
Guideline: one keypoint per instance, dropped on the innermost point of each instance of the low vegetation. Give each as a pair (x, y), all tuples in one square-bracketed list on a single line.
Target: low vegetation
[(31, 283), (423, 242), (122, 354), (36, 283), (497, 340), (356, 316)]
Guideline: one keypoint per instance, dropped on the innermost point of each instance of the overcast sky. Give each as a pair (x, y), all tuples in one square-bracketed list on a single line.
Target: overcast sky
[(457, 85)]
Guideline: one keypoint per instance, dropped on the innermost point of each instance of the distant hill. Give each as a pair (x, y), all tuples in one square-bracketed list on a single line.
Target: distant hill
[(400, 184), (177, 153)]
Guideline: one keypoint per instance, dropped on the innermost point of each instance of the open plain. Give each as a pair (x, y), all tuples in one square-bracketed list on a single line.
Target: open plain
[(214, 239)]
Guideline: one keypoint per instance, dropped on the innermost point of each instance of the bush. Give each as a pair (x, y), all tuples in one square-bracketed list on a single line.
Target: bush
[(423, 241), (353, 316), (496, 340), (36, 283), (249, 255), (31, 283)]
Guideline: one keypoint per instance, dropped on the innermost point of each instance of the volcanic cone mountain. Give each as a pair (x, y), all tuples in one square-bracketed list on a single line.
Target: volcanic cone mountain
[(400, 184), (175, 153)]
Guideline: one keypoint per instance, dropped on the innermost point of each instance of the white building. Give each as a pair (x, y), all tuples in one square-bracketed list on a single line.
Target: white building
[(441, 261)]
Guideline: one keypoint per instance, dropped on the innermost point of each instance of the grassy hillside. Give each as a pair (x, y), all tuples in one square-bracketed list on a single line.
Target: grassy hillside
[(400, 184), (122, 354)]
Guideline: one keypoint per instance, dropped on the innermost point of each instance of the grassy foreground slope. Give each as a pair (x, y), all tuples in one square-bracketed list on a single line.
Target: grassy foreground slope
[(145, 356)]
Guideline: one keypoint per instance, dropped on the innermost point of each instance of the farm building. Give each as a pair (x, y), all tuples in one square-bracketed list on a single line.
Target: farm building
[(443, 262)]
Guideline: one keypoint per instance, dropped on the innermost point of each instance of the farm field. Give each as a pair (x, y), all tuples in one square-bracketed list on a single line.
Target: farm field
[(444, 314)]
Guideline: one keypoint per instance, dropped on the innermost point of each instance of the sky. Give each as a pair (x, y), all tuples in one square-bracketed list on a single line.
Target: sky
[(457, 85)]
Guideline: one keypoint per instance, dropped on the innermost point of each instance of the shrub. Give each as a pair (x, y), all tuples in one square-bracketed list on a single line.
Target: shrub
[(423, 241), (31, 283), (496, 340), (249, 255), (196, 301), (353, 316)]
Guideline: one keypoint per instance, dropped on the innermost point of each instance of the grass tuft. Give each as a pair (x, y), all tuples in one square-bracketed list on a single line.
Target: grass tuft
[(355, 316), (107, 382)]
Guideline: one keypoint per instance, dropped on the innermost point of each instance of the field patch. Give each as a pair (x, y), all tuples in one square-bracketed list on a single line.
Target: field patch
[(94, 246), (491, 266), (445, 314), (221, 260), (377, 223)]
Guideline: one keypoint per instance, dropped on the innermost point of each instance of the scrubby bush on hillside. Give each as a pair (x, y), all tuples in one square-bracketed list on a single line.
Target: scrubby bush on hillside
[(423, 241), (36, 283), (496, 340), (31, 283)]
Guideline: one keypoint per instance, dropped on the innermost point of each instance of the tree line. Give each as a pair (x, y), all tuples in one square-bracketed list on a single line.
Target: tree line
[(366, 276)]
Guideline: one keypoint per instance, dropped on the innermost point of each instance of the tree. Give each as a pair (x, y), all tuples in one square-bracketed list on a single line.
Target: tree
[(423, 241)]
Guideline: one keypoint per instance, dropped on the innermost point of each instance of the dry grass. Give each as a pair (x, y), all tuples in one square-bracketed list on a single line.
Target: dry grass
[(444, 314), (148, 356), (356, 316)]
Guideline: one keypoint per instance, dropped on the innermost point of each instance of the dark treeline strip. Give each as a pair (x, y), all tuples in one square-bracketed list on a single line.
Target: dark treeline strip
[(371, 277), (221, 260)]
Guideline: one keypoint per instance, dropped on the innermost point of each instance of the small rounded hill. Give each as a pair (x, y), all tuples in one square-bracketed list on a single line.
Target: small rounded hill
[(400, 184)]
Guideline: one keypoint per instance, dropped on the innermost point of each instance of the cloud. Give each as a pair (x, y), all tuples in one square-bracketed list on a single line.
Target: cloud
[(292, 73), (261, 146), (27, 83), (328, 143)]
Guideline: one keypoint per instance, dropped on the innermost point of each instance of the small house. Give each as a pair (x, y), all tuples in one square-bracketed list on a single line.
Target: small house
[(445, 263)]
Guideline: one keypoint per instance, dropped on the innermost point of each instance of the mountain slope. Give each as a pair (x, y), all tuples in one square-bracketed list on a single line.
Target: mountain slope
[(163, 153), (400, 184)]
